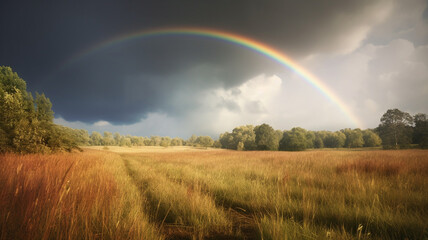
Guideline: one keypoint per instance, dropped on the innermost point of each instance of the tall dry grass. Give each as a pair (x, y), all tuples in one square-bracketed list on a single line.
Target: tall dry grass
[(65, 196)]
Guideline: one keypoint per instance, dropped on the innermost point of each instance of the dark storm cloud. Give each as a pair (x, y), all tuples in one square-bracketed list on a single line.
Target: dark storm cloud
[(123, 83)]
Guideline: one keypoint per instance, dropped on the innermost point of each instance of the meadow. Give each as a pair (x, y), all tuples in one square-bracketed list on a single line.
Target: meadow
[(186, 193)]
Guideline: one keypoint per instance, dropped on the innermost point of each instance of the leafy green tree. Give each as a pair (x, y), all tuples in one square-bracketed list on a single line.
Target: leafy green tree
[(354, 138), (334, 139), (96, 139), (226, 140), (318, 143), (44, 108), (62, 138), (177, 142), (204, 141), (26, 125), (81, 137), (125, 141), (310, 139), (191, 141), (28, 137), (294, 140), (108, 139), (155, 141), (165, 142), (395, 129), (137, 141), (217, 144), (245, 135), (240, 146), (10, 82), (371, 139), (117, 138), (4, 142), (266, 138), (420, 135)]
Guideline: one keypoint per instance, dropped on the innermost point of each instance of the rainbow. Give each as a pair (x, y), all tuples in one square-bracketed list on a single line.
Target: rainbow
[(232, 38)]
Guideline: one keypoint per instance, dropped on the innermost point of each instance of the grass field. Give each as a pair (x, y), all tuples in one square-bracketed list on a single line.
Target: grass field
[(184, 193)]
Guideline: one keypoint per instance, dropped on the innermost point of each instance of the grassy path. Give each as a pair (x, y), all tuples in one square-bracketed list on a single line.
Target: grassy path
[(182, 211)]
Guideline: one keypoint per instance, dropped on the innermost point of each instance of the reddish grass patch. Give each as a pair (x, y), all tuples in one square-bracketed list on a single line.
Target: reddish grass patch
[(369, 166), (53, 196)]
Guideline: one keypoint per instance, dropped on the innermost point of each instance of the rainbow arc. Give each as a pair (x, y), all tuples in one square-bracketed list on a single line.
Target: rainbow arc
[(246, 42)]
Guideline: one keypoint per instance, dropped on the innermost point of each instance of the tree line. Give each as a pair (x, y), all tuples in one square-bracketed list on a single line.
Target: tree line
[(264, 137), (397, 130), (26, 126), (115, 139)]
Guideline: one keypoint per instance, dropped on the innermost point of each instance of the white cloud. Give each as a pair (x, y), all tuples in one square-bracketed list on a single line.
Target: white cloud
[(101, 124)]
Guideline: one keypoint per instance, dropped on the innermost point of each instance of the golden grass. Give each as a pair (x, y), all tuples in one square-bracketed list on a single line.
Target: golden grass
[(186, 193), (65, 196)]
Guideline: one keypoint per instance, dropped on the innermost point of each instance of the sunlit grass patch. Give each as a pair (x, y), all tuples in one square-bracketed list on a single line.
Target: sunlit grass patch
[(62, 196)]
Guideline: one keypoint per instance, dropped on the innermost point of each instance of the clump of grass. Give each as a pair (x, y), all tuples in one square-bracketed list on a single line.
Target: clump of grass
[(274, 227)]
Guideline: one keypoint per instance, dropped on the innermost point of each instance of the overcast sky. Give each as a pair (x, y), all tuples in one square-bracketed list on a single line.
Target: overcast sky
[(372, 54)]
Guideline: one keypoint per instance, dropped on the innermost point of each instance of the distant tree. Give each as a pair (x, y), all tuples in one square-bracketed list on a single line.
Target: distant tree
[(266, 138), (334, 139), (294, 140), (108, 139), (146, 141), (191, 140), (244, 134), (165, 142), (155, 140), (395, 129), (204, 141), (354, 138), (278, 136), (81, 136), (177, 142), (96, 139), (117, 138), (310, 139), (318, 143), (217, 144), (137, 141), (226, 140), (420, 134), (125, 141), (371, 139)]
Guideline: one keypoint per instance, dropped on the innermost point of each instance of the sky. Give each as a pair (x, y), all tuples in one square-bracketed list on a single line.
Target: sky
[(372, 56)]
